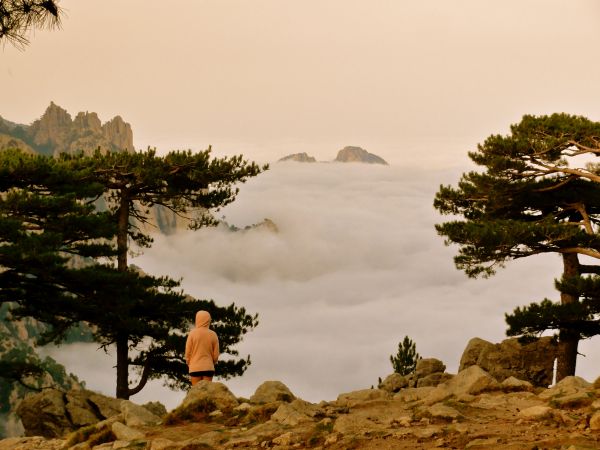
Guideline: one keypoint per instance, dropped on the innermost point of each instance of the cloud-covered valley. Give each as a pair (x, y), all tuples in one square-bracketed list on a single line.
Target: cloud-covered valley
[(355, 266)]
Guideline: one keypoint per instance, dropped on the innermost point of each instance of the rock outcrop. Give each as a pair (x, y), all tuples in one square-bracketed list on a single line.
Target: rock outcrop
[(8, 141), (428, 372), (272, 391), (53, 413), (470, 411), (357, 154), (56, 132), (299, 157), (17, 339), (533, 362)]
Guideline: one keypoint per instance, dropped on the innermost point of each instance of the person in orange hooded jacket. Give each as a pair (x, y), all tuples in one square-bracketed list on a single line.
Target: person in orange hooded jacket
[(202, 349)]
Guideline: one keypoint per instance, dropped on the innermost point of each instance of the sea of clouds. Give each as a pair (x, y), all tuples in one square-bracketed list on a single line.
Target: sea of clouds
[(355, 266)]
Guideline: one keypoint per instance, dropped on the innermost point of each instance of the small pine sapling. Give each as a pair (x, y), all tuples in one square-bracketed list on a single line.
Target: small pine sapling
[(405, 361)]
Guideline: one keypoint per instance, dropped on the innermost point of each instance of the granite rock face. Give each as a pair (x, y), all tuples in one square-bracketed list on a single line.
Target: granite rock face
[(533, 362), (357, 154), (56, 132), (299, 157), (17, 344), (52, 413)]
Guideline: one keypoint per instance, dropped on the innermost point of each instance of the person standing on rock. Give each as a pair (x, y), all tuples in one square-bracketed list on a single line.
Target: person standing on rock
[(202, 349)]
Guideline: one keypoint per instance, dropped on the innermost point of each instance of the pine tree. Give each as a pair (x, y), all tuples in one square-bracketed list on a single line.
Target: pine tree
[(48, 214), (193, 186), (405, 360), (532, 198)]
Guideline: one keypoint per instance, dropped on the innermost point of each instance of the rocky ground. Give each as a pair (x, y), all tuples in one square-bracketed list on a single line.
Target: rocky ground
[(471, 410)]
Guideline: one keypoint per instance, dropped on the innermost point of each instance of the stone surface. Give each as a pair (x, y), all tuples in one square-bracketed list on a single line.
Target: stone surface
[(595, 421), (434, 379), (355, 425), (108, 406), (357, 154), (156, 408), (294, 413), (136, 415), (533, 362), (125, 433), (353, 398), (536, 412), (440, 411), (393, 383), (161, 444), (566, 386), (413, 394), (209, 391), (52, 413), (272, 391), (43, 414), (512, 384), (428, 366), (473, 380)]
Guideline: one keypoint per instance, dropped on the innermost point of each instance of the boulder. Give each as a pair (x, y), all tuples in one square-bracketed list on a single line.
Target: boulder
[(53, 413), (124, 433), (44, 414), (136, 415), (566, 386), (428, 366), (213, 395), (272, 391), (434, 379), (533, 362), (413, 394), (107, 406), (156, 408), (595, 421), (393, 383), (351, 424), (471, 381), (441, 411), (536, 413), (512, 384), (353, 398), (78, 409), (294, 413)]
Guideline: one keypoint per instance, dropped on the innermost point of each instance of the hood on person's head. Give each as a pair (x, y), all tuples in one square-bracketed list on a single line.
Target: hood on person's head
[(202, 319)]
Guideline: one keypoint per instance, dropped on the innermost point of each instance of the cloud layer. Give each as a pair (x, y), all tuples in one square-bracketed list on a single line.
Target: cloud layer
[(355, 267)]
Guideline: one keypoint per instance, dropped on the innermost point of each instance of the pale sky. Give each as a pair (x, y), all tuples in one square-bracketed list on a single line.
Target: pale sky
[(418, 82)]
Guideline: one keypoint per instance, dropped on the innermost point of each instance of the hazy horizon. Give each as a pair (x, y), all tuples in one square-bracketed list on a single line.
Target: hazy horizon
[(311, 76)]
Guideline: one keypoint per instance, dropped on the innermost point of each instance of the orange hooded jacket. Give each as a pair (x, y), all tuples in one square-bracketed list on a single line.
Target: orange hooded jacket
[(202, 345)]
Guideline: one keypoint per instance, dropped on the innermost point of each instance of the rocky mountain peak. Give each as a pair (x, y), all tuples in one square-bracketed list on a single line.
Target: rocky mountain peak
[(299, 157), (88, 121), (56, 132), (358, 154)]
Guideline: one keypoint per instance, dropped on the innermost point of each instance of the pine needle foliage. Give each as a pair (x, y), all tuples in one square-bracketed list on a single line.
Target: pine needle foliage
[(534, 196), (18, 18), (58, 250), (405, 360)]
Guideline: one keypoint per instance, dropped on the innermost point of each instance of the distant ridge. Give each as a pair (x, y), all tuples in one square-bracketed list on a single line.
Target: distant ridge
[(299, 157), (56, 132), (358, 154), (346, 155)]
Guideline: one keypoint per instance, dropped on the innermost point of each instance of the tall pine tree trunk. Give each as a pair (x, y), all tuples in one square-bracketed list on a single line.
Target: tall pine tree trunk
[(122, 338), (568, 340)]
